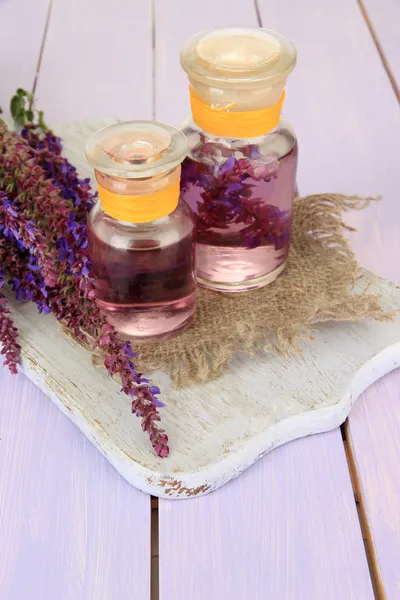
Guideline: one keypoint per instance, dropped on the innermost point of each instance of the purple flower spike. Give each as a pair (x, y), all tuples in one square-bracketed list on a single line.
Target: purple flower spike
[(44, 254)]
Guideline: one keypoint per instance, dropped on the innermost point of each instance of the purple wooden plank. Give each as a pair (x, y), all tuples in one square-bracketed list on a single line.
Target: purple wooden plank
[(70, 527), (374, 424), (346, 143), (384, 16), (97, 61), (285, 529), (374, 431), (365, 162), (337, 112), (22, 28)]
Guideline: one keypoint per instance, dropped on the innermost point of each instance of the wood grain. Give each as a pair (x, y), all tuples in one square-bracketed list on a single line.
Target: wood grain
[(287, 529), (22, 28), (70, 527), (100, 58)]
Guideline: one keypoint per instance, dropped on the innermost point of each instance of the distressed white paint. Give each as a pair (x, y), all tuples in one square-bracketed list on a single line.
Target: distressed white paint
[(219, 429)]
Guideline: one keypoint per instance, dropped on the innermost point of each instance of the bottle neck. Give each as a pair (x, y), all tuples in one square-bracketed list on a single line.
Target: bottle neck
[(139, 201), (230, 121)]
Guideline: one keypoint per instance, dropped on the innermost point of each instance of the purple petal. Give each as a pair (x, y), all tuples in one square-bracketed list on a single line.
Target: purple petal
[(128, 350), (158, 403), (228, 165), (86, 269)]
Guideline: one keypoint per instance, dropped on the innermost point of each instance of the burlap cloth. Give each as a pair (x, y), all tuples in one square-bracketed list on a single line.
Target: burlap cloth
[(316, 286)]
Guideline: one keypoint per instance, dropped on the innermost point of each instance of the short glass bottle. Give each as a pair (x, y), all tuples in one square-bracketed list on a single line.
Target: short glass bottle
[(240, 173), (140, 236)]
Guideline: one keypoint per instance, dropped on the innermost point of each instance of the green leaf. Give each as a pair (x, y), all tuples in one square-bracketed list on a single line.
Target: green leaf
[(42, 123), (20, 117), (17, 104), (24, 113)]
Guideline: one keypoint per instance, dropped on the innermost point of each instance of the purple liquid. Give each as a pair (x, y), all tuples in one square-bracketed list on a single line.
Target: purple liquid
[(244, 213), (146, 292)]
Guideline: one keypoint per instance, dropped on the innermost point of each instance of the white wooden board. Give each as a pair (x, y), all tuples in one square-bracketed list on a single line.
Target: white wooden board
[(219, 429)]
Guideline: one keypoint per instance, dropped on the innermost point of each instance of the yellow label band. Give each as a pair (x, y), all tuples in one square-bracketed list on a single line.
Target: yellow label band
[(140, 209), (234, 124)]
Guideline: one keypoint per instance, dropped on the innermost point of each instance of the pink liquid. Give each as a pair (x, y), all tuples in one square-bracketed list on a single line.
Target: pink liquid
[(243, 237), (238, 269), (146, 292)]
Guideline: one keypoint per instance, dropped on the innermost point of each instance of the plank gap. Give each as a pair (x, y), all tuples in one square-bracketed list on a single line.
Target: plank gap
[(366, 533), (154, 566), (350, 466), (379, 48), (258, 14), (42, 47)]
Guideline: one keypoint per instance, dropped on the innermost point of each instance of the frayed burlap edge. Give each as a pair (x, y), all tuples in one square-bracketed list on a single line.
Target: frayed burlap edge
[(317, 286)]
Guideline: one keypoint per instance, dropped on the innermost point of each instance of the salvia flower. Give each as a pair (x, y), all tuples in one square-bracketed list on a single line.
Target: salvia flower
[(44, 258), (8, 334)]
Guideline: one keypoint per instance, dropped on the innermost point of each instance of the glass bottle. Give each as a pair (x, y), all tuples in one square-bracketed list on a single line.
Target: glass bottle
[(240, 173), (140, 236)]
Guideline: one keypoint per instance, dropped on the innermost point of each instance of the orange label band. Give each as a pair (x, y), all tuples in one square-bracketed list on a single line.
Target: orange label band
[(234, 124), (140, 209)]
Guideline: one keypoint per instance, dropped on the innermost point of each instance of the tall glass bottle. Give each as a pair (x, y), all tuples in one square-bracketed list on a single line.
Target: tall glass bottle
[(240, 172), (141, 237)]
